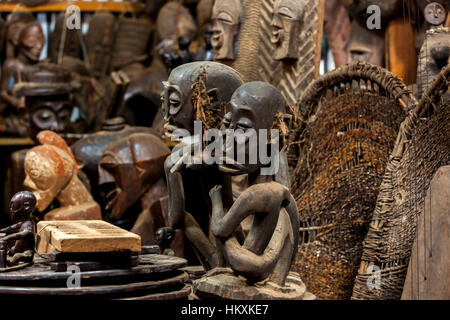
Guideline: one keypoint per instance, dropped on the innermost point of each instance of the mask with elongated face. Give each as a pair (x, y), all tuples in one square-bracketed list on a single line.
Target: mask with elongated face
[(286, 24), (252, 108), (178, 109), (22, 205), (225, 18), (133, 164)]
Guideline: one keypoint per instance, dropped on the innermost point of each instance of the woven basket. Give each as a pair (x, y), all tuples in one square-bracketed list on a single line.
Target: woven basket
[(422, 147), (352, 116)]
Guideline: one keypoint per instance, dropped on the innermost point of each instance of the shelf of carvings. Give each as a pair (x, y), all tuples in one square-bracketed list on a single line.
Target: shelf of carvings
[(85, 6)]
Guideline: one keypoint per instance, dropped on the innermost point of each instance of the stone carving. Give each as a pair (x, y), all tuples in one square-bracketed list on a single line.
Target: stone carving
[(51, 174)]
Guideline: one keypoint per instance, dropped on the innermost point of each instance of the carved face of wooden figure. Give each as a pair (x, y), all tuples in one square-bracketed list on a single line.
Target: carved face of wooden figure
[(22, 205), (286, 24), (31, 41), (49, 113), (252, 106), (434, 12), (226, 16), (220, 81)]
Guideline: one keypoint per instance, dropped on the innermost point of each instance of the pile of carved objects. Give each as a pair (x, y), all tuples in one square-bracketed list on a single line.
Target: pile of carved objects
[(226, 150)]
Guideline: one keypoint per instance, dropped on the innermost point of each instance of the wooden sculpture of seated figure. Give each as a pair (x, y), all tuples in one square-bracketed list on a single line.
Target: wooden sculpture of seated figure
[(51, 173), (271, 244), (22, 206)]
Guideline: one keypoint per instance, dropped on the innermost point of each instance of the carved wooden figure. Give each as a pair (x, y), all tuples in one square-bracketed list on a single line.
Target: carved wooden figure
[(51, 174), (290, 44), (15, 23), (22, 206), (135, 166), (271, 244), (30, 43), (89, 150), (195, 91), (47, 89)]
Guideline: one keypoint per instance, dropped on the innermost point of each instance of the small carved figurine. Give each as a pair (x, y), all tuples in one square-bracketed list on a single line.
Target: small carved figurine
[(30, 43), (22, 206), (47, 89), (51, 173)]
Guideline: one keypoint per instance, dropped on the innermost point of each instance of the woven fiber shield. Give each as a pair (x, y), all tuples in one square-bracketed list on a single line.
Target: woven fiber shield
[(422, 147), (352, 116)]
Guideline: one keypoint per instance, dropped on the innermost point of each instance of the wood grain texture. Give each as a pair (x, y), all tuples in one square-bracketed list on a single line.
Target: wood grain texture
[(247, 63), (269, 69), (85, 236), (401, 57), (292, 78)]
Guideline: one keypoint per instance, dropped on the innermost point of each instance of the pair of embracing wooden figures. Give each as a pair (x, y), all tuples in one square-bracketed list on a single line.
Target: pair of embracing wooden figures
[(222, 128)]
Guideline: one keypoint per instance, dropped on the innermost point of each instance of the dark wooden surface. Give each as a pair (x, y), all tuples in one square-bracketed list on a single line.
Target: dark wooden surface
[(109, 289), (157, 277), (151, 263)]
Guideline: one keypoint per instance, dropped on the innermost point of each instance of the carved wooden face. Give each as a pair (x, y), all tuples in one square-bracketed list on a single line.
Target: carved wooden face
[(252, 108), (31, 41), (49, 113), (22, 205), (133, 164), (226, 16), (365, 45), (286, 24), (220, 81)]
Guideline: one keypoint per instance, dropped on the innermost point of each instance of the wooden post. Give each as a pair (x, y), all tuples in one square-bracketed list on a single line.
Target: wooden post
[(401, 58)]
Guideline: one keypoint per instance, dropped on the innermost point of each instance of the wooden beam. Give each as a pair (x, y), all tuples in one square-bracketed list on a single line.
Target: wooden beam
[(16, 142), (85, 6), (400, 52)]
